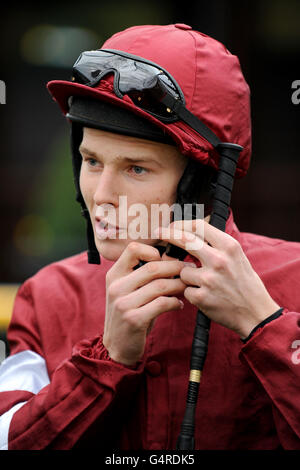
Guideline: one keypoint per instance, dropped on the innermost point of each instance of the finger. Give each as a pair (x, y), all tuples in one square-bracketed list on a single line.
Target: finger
[(194, 295), (152, 310), (166, 257), (215, 237), (188, 241), (147, 273), (189, 226), (191, 276), (133, 253), (151, 291)]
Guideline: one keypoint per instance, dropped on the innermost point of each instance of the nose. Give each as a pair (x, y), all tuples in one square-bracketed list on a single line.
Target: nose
[(106, 191)]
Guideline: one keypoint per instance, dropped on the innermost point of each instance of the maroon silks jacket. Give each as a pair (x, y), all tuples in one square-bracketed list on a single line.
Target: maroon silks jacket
[(60, 390)]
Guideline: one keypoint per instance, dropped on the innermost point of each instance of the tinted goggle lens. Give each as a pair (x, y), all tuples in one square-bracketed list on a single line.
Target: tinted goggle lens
[(144, 82)]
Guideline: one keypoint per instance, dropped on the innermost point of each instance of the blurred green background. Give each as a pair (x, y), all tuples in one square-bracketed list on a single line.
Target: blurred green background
[(40, 220)]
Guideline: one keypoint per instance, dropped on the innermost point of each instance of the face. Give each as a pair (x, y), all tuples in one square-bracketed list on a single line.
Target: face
[(124, 180)]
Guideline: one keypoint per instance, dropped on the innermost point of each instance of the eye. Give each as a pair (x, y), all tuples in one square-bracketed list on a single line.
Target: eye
[(91, 161), (138, 170)]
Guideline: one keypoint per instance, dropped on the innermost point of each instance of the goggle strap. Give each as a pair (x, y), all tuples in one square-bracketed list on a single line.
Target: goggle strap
[(185, 115)]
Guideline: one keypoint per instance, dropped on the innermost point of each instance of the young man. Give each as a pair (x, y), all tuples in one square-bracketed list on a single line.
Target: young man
[(100, 354)]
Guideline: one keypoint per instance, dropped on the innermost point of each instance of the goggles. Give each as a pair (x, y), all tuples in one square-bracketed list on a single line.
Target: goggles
[(149, 86)]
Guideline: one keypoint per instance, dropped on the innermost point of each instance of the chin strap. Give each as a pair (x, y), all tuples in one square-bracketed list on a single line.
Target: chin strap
[(76, 138), (92, 252)]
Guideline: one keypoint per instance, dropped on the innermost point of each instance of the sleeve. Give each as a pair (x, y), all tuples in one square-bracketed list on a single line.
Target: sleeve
[(273, 354), (38, 413)]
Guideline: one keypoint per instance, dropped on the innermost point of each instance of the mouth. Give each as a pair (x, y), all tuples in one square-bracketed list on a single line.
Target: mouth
[(104, 225), (105, 229)]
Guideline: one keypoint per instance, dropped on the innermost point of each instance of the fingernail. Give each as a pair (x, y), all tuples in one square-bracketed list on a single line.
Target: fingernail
[(189, 263), (181, 304), (189, 236)]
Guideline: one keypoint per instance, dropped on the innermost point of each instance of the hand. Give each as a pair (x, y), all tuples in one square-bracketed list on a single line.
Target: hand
[(135, 298), (225, 287)]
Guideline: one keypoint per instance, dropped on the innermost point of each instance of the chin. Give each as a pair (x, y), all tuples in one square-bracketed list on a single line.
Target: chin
[(110, 250)]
